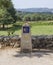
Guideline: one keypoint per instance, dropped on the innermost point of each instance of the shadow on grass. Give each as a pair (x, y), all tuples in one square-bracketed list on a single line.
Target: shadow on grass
[(13, 28), (33, 54)]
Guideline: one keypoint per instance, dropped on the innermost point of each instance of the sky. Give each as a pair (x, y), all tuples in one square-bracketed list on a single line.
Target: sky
[(19, 4)]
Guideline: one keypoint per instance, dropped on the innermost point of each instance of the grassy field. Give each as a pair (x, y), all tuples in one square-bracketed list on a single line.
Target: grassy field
[(37, 28)]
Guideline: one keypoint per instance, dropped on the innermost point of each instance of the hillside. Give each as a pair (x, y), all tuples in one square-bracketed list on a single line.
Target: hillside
[(36, 10)]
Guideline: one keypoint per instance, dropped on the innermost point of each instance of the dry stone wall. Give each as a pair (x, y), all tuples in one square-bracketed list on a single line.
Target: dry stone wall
[(41, 41)]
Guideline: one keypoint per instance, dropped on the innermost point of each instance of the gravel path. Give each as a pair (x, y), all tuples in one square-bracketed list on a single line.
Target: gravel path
[(14, 57)]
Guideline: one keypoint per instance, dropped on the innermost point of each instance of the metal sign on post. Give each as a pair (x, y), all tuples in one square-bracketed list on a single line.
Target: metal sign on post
[(26, 44)]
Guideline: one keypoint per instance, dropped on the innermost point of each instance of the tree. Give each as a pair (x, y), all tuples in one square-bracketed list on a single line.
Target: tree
[(7, 12), (27, 17), (5, 17)]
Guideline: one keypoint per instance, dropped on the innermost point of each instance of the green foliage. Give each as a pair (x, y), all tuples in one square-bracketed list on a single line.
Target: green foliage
[(35, 16), (27, 18), (5, 17), (7, 12)]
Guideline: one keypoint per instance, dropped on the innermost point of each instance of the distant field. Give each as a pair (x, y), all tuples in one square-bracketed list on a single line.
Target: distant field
[(37, 28)]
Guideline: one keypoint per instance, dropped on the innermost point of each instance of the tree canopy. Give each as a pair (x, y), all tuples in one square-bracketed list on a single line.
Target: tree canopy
[(7, 12), (27, 16)]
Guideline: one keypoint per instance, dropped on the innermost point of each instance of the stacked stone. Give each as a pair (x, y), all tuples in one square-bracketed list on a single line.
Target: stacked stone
[(40, 41), (15, 41), (9, 41)]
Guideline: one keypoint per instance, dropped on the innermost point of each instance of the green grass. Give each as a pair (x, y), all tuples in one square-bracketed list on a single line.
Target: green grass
[(37, 28), (42, 30)]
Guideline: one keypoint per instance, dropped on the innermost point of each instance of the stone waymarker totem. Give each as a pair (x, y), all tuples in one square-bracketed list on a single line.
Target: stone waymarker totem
[(26, 44)]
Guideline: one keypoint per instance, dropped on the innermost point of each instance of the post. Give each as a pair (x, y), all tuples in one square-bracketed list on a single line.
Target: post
[(26, 42)]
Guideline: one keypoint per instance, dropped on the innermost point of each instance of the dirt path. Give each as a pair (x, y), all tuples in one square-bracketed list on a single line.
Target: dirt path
[(14, 57)]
